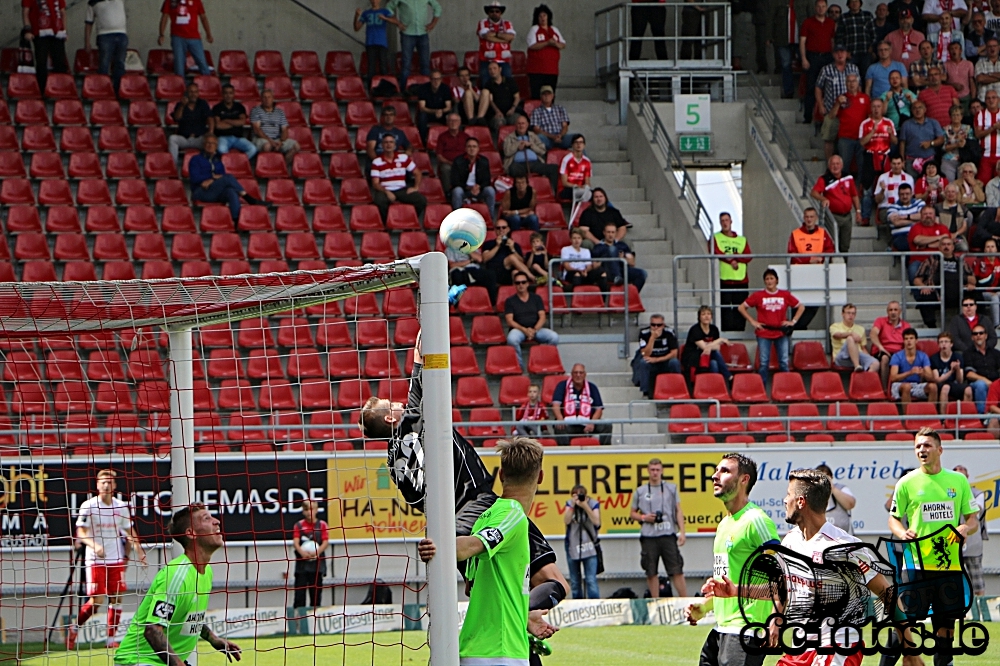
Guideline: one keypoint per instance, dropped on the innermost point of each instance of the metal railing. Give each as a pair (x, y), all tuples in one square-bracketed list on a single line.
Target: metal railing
[(569, 308), (711, 296), (675, 163)]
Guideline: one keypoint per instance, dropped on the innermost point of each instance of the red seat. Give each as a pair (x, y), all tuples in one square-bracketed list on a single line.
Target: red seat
[(365, 218), (23, 86), (544, 360), (79, 271), (118, 270), (318, 192), (8, 139), (209, 88), (550, 216), (860, 437), (74, 140), (61, 86), (176, 219), (234, 63), (764, 418), (31, 112), (686, 418), (475, 300), (922, 415), (142, 113), (282, 88), (809, 414), (669, 386), (96, 86), (67, 112), (866, 387), (963, 415), (381, 363), (487, 329), (17, 191), (514, 390), (305, 63), (124, 165), (162, 165), (57, 193), (255, 334), (788, 387), (281, 191), (70, 397), (724, 412), (31, 246), (36, 138), (809, 355), (245, 89), (109, 112), (107, 247), (158, 270), (334, 139), (343, 363), (170, 87), (587, 298), (38, 271), (307, 165), (187, 247), (12, 164), (149, 247), (843, 417), (130, 193), (399, 303), (145, 365), (883, 409), (299, 246), (227, 246), (339, 245), (350, 89), (216, 219), (403, 217), (502, 360), (361, 306), (264, 364), (271, 165), (340, 63), (353, 393), (325, 114), (827, 387), (413, 244), (616, 300), (169, 192), (103, 365), (360, 114), (710, 386), (237, 165), (85, 61), (84, 165), (464, 363), (25, 219), (268, 63), (472, 392), (314, 89), (134, 86), (389, 80)]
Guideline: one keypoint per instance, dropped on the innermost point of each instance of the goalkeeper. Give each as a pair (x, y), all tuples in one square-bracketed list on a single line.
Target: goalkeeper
[(171, 617), (403, 426)]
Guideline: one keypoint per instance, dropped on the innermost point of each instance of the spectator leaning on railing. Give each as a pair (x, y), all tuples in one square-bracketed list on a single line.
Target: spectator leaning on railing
[(810, 239), (733, 279), (577, 403), (656, 355), (835, 191)]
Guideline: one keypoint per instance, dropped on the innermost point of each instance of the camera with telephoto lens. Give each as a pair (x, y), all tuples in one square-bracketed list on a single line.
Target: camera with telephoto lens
[(581, 496), (659, 517)]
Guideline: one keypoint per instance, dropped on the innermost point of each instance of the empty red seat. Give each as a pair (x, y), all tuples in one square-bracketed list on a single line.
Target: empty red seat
[(281, 191), (73, 247), (807, 415), (209, 88), (686, 418), (305, 63), (115, 138), (399, 303), (725, 419), (473, 392), (30, 398), (307, 165), (234, 63), (73, 140), (353, 393), (340, 63), (61, 86), (866, 387), (149, 247), (487, 330), (12, 164), (809, 355), (104, 365), (402, 217), (843, 417), (31, 112), (38, 271), (57, 192), (264, 364), (268, 63), (544, 360), (118, 270), (263, 246), (710, 386), (963, 415), (339, 245), (377, 246), (72, 396), (314, 89), (464, 363), (142, 113), (550, 216), (282, 88), (381, 363), (134, 86), (413, 244), (170, 87), (187, 247), (216, 219), (36, 138), (169, 192), (17, 192), (788, 387), (764, 418), (616, 300), (271, 165), (669, 386), (158, 270), (826, 387), (102, 220), (23, 86), (8, 139), (245, 89), (31, 246), (225, 246), (25, 219), (344, 364), (883, 416), (475, 300), (318, 191), (502, 360), (922, 415), (348, 89), (107, 112), (324, 113), (334, 139)]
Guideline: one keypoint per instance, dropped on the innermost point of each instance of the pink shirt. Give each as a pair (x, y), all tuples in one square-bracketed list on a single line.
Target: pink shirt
[(959, 74)]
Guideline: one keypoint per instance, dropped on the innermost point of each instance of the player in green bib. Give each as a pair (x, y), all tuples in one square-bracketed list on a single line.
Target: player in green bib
[(928, 499), (741, 532), (171, 617), (495, 632)]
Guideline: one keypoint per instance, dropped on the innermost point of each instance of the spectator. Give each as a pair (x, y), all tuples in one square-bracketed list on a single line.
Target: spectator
[(963, 324), (938, 98), (850, 109), (518, 205), (583, 518), (211, 184), (471, 102), (815, 52), (692, 16), (655, 17), (533, 409), (577, 403), (906, 40), (954, 215), (910, 374), (919, 138), (387, 125), (656, 506), (961, 75), (434, 103), (471, 176), (524, 147), (976, 36), (466, 270), (856, 31), (982, 366), (898, 100), (389, 175), (877, 136), (414, 33), (450, 145), (185, 39), (831, 85), (703, 348), (502, 256), (783, 33), (577, 267), (900, 217), (810, 238), (504, 98), (847, 340), (992, 190), (656, 355), (949, 373), (896, 8), (733, 279), (545, 44), (112, 37), (835, 191), (970, 190), (229, 121), (374, 21), (929, 188), (772, 326), (982, 277), (887, 336), (842, 501), (611, 247), (550, 121), (495, 36), (927, 278), (192, 116), (919, 69), (834, 13), (957, 136), (883, 26), (987, 129), (599, 215), (926, 235), (270, 128), (972, 550), (537, 259), (988, 69), (525, 316), (575, 170), (877, 75), (310, 567), (45, 27)]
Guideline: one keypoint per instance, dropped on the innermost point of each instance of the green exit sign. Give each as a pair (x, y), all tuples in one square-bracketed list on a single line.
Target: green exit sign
[(695, 143)]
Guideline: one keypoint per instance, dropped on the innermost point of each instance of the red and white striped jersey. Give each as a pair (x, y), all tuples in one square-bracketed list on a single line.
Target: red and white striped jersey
[(392, 176), (494, 51), (889, 184), (884, 130), (990, 142)]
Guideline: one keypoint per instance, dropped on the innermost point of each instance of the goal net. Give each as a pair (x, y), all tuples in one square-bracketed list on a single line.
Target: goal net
[(240, 392)]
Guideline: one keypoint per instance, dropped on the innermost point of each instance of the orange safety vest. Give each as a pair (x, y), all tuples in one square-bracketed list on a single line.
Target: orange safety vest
[(809, 243)]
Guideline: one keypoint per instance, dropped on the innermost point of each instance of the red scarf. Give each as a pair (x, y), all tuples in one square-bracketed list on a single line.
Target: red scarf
[(577, 404), (527, 412), (51, 15)]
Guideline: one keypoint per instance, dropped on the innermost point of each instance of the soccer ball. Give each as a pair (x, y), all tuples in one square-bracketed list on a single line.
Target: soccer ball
[(309, 547), (463, 229)]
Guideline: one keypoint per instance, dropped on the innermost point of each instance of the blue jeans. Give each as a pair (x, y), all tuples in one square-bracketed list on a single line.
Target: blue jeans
[(111, 50), (422, 43), (181, 48), (781, 346), (487, 195), (979, 391), (851, 150), (787, 54), (911, 269), (589, 580), (484, 73), (518, 222), (645, 373), (564, 143), (227, 143), (718, 365), (636, 276), (516, 338), (225, 190)]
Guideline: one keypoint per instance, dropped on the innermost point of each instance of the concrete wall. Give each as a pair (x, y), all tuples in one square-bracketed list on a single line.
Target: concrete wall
[(252, 25), (729, 137)]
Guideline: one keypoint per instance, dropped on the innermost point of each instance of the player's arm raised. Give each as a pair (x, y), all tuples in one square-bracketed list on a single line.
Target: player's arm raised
[(225, 646)]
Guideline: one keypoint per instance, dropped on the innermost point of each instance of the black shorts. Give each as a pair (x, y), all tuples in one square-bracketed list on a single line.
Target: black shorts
[(466, 517), (939, 595), (654, 549), (726, 650)]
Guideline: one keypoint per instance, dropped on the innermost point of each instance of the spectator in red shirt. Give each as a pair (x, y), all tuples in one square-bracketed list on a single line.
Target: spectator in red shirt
[(836, 191), (887, 336), (450, 145), (310, 567), (876, 135), (851, 110), (772, 326), (45, 27), (815, 51), (533, 409), (924, 236), (183, 16), (938, 97), (545, 45), (575, 170)]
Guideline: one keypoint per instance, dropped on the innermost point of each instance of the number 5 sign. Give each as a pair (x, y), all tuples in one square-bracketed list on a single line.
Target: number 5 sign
[(692, 113)]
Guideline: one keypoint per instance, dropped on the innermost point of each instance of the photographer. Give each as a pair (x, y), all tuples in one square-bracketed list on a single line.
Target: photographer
[(657, 507), (583, 518)]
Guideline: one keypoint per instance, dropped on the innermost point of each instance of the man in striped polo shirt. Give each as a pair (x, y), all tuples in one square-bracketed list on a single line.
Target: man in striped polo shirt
[(389, 175), (986, 127), (270, 128)]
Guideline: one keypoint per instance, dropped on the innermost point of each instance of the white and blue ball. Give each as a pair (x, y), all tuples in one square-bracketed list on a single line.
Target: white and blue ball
[(464, 230)]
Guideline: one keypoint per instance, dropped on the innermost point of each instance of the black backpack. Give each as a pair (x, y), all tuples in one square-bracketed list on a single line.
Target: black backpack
[(378, 593)]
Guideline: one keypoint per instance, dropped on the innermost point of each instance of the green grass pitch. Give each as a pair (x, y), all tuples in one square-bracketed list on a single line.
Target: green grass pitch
[(571, 647)]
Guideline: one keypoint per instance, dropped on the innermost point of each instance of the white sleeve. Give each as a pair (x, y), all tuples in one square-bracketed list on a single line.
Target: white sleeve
[(124, 519), (847, 491), (565, 161), (532, 37), (83, 518), (482, 28), (558, 34), (563, 254)]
